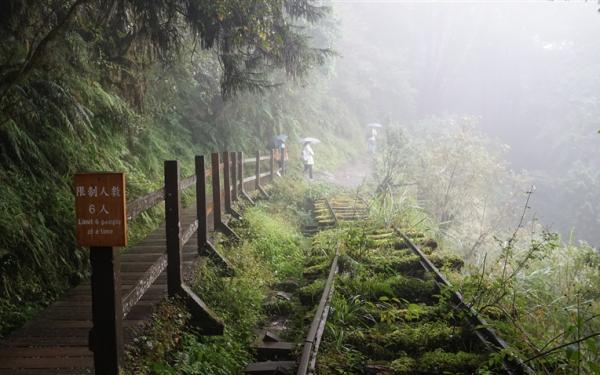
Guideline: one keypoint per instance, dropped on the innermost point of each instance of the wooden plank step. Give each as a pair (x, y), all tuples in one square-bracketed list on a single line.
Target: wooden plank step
[(46, 371), (274, 350), (47, 362), (52, 351), (271, 368)]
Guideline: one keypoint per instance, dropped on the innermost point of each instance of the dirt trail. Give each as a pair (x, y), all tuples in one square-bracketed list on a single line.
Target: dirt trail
[(351, 175)]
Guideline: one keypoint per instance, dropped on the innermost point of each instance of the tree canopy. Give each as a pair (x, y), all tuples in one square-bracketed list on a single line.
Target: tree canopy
[(252, 37)]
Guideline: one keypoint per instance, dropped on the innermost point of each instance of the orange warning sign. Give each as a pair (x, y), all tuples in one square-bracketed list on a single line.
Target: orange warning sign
[(100, 209)]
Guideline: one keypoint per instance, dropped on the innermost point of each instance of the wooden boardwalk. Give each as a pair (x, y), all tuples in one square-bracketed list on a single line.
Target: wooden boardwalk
[(56, 342)]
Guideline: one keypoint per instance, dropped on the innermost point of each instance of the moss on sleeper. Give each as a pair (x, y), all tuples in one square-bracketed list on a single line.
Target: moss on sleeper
[(312, 292), (410, 339)]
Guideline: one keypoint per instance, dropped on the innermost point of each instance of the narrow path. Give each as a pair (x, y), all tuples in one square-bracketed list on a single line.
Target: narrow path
[(352, 175), (56, 342)]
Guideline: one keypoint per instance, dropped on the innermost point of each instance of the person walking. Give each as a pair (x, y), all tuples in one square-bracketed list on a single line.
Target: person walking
[(308, 159), (372, 142), (283, 158)]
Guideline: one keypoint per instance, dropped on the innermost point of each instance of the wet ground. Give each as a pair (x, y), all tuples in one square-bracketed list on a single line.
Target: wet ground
[(351, 175)]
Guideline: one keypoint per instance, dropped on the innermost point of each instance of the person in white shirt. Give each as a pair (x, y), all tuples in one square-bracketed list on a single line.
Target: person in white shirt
[(308, 159), (372, 142)]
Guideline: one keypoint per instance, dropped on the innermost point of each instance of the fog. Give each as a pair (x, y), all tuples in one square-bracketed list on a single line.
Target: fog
[(527, 71)]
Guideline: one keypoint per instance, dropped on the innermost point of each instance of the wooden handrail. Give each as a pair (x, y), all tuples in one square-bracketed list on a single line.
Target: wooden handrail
[(188, 182), (253, 160), (141, 204), (144, 203)]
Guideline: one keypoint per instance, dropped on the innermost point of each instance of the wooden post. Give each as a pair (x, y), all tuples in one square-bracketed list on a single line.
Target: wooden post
[(227, 181), (282, 160), (172, 227), (257, 182), (201, 209), (241, 174), (106, 338), (203, 317), (205, 248), (272, 164), (234, 175), (258, 185), (240, 171), (216, 184), (216, 187)]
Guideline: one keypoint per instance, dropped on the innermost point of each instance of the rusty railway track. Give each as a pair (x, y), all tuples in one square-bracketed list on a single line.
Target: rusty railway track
[(328, 214)]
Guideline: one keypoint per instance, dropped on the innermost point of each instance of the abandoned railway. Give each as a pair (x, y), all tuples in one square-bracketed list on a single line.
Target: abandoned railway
[(433, 329)]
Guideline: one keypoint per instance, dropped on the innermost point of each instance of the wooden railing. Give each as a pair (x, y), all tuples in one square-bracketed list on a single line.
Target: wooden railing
[(224, 190)]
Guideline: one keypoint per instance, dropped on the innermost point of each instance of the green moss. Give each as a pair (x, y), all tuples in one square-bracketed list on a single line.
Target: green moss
[(311, 293), (447, 260), (317, 270), (381, 344), (406, 264), (440, 361), (279, 306), (403, 366)]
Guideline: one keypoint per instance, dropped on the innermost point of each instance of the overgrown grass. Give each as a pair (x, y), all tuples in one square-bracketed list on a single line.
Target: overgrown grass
[(272, 250)]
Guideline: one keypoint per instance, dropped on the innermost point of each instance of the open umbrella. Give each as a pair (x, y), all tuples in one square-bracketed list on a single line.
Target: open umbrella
[(310, 139), (374, 125), (280, 139)]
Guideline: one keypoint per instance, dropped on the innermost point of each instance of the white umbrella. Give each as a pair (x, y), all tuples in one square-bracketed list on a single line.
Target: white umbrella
[(374, 125), (310, 140)]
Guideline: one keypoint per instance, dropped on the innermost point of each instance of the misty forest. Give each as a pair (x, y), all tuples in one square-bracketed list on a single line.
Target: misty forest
[(308, 187)]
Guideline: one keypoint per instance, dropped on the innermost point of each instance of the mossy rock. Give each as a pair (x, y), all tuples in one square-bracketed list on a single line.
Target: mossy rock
[(311, 293), (443, 362)]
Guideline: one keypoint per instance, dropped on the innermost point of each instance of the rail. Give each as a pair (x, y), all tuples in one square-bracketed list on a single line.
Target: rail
[(317, 327)]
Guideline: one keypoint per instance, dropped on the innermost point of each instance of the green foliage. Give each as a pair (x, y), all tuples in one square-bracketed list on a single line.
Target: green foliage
[(274, 241)]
